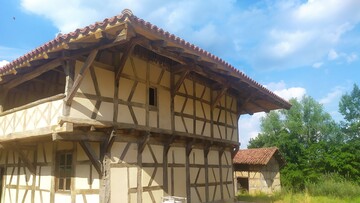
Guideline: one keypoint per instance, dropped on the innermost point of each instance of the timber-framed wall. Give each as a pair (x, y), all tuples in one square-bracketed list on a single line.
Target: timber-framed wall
[(138, 115)]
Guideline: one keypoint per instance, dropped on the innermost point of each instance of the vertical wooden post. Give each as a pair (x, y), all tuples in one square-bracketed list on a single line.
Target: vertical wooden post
[(165, 169), (187, 168), (206, 163), (139, 175), (172, 84), (73, 173), (53, 171), (69, 69), (221, 152), (105, 189), (33, 186)]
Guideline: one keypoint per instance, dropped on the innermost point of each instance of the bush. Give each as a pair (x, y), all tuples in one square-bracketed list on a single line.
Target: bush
[(335, 186)]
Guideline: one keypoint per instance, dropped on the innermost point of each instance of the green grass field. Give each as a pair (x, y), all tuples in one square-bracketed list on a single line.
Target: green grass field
[(296, 198), (329, 190)]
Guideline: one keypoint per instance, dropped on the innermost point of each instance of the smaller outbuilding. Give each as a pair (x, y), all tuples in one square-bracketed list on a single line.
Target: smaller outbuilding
[(258, 170)]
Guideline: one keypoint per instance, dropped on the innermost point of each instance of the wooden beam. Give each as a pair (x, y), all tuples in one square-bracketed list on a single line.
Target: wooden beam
[(234, 151), (69, 70), (17, 148), (219, 96), (127, 52), (98, 64), (109, 142), (81, 75), (142, 143), (78, 136), (33, 74), (180, 81), (91, 155)]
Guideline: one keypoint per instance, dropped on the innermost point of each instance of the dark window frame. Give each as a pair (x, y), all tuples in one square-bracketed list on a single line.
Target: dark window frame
[(153, 97), (64, 170)]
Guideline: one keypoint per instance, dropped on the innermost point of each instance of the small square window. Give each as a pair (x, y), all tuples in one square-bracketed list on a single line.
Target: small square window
[(152, 96), (64, 169)]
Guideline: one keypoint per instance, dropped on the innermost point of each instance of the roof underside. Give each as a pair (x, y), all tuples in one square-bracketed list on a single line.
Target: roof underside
[(118, 32)]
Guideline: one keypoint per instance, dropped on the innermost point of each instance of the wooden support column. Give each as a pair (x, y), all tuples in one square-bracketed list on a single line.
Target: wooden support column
[(141, 146), (167, 146), (105, 158), (206, 163), (189, 148), (90, 59), (221, 152)]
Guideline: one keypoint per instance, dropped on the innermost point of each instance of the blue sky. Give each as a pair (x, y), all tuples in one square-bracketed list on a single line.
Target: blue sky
[(292, 47)]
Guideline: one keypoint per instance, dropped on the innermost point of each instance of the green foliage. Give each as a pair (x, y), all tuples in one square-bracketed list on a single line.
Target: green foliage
[(349, 107), (312, 143), (333, 185)]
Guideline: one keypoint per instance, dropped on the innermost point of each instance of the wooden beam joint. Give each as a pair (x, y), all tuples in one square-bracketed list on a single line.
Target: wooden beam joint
[(90, 59), (89, 151)]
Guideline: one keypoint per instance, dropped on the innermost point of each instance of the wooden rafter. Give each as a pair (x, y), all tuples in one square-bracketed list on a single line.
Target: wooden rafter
[(89, 151), (260, 106), (33, 74), (80, 76)]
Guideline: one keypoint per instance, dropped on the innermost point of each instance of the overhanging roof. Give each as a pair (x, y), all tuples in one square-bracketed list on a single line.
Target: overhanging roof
[(252, 96)]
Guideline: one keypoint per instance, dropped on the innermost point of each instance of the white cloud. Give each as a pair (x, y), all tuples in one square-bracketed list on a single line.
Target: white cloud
[(317, 65), (332, 96), (281, 90), (293, 33), (332, 55), (351, 57), (249, 127), (3, 63)]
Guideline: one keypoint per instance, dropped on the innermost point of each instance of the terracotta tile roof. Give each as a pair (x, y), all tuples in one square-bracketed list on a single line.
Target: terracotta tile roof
[(259, 156), (127, 15)]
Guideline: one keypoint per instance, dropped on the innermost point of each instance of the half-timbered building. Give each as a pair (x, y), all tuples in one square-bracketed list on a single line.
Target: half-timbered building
[(122, 111)]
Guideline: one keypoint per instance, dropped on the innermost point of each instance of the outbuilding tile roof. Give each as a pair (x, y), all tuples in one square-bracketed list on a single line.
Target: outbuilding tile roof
[(257, 156)]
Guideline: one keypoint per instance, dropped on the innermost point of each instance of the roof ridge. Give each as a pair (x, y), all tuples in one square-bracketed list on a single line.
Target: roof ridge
[(145, 24)]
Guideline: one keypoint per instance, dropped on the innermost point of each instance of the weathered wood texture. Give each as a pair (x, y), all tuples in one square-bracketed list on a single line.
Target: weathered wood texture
[(264, 179), (20, 185)]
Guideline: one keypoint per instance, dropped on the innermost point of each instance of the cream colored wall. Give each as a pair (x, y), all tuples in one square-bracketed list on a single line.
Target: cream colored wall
[(192, 102), (23, 186), (125, 172), (36, 117)]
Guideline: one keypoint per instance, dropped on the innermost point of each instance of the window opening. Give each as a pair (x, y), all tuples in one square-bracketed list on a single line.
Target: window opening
[(152, 96), (64, 169)]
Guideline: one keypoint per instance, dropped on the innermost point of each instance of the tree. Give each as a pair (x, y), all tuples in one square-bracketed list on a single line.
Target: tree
[(349, 107), (301, 134)]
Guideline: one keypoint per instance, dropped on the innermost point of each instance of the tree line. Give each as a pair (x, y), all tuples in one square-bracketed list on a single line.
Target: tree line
[(312, 143)]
